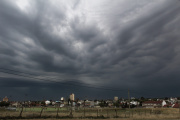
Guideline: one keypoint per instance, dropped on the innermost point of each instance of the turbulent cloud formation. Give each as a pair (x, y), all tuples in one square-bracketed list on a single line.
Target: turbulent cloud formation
[(121, 44)]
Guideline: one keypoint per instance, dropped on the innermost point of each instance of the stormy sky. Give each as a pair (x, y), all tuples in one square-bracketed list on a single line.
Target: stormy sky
[(95, 49)]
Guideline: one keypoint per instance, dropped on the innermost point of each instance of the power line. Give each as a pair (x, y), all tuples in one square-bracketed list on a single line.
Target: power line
[(75, 84), (18, 73)]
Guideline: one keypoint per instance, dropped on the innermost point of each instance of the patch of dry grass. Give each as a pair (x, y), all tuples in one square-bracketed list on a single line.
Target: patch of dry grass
[(122, 114)]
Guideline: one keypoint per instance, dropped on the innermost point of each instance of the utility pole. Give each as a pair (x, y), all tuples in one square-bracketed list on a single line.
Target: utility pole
[(71, 115), (129, 98), (179, 111)]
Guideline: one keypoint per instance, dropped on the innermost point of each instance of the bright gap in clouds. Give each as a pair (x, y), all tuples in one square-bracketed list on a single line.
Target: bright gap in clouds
[(22, 4)]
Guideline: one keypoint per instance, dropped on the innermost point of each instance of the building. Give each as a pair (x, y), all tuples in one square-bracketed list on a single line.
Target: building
[(134, 103), (152, 104), (115, 99), (47, 102), (62, 98), (15, 104), (96, 103), (5, 99), (88, 103), (164, 103), (176, 105), (110, 103), (72, 97)]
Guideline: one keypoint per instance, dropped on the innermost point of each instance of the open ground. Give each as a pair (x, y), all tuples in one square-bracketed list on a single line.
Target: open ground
[(51, 113)]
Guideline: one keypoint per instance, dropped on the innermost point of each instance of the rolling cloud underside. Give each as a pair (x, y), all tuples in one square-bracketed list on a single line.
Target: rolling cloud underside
[(122, 45)]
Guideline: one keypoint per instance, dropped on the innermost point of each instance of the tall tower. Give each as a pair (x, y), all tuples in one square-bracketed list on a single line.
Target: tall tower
[(72, 96), (5, 99), (115, 99)]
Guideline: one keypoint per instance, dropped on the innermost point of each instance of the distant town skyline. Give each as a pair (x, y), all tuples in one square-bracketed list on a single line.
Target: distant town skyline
[(95, 49)]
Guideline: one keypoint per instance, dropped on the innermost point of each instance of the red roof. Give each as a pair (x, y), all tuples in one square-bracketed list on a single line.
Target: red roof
[(165, 105), (176, 105), (153, 102)]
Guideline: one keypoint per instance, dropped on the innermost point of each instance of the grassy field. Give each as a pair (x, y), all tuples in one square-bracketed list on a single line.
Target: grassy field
[(50, 113)]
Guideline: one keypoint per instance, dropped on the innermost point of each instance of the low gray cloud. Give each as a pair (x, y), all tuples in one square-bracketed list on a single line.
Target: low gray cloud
[(120, 44)]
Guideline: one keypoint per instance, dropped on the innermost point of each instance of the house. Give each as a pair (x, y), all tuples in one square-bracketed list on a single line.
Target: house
[(80, 103), (88, 103), (134, 103), (15, 104), (172, 100), (176, 105), (164, 104), (152, 104), (91, 103), (96, 103), (47, 102), (110, 103)]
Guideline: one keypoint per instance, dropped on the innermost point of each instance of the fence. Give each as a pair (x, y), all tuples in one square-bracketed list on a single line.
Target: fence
[(80, 112)]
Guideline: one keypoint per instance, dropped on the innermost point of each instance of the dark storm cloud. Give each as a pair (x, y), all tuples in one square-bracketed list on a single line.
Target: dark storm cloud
[(124, 47), (19, 89)]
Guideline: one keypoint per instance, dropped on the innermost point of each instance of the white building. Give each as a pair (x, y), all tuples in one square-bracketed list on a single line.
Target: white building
[(47, 102), (134, 103), (62, 98), (164, 103), (72, 96)]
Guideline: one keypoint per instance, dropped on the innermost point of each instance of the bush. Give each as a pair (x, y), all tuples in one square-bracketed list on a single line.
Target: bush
[(4, 104)]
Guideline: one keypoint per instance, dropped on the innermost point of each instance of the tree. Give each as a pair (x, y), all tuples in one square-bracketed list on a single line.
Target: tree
[(43, 103), (140, 104), (103, 104), (142, 98), (3, 103), (124, 105), (116, 104)]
